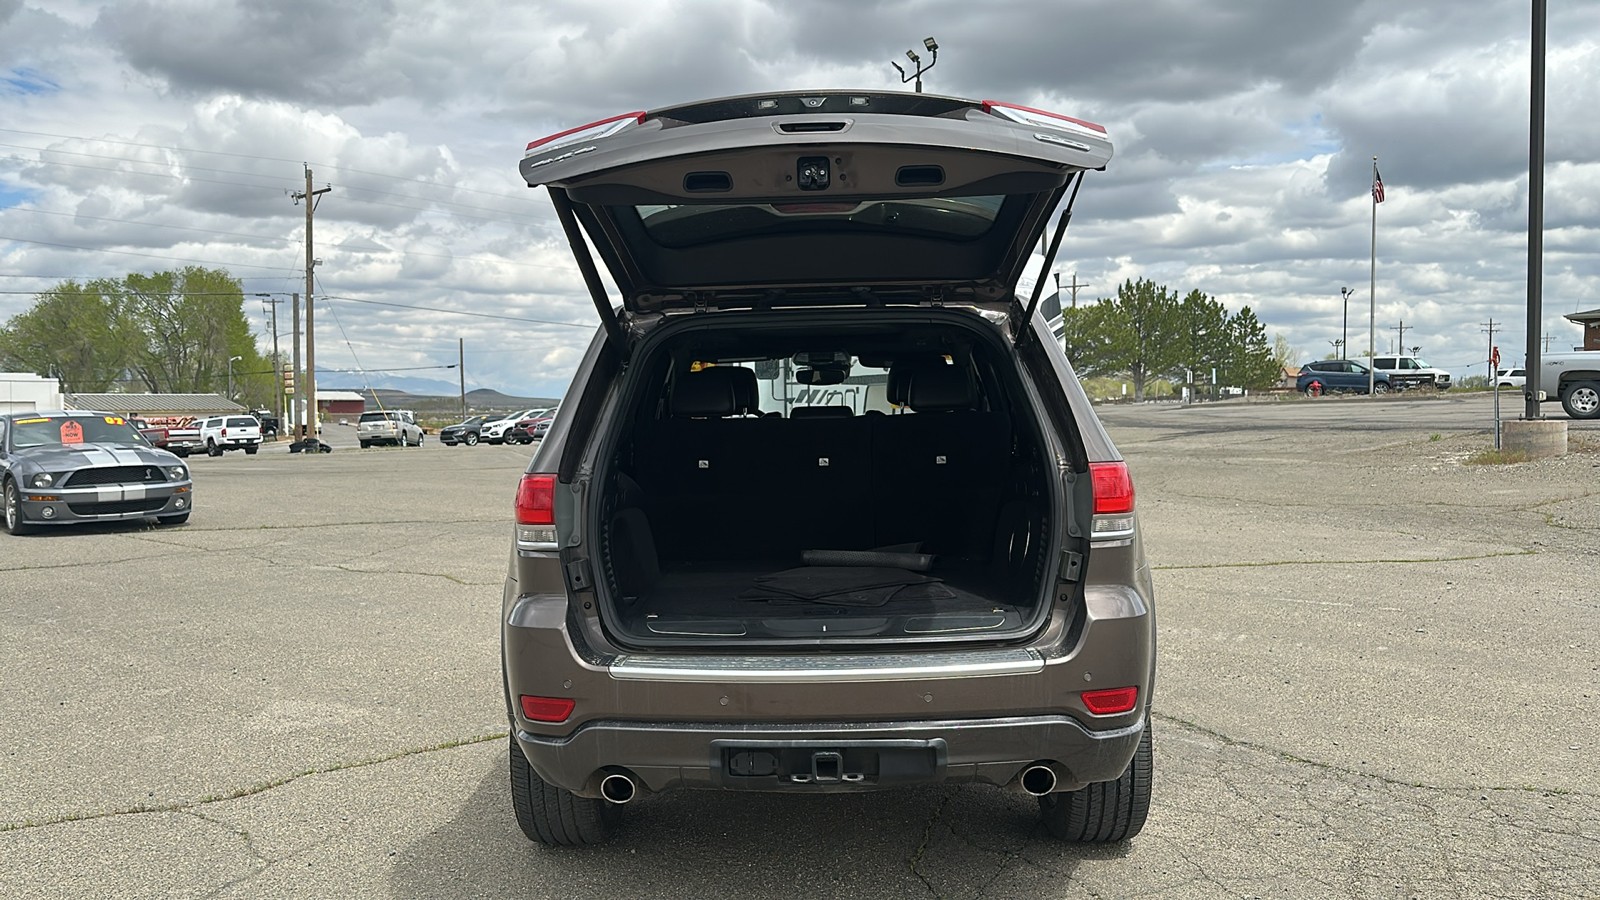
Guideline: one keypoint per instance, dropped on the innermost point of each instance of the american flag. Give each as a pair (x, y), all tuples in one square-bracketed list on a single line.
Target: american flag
[(1377, 186)]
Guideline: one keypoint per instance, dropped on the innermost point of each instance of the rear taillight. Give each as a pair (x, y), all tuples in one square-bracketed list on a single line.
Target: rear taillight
[(536, 500), (547, 709), (1108, 702), (536, 512), (1113, 499), (224, 432), (1113, 489)]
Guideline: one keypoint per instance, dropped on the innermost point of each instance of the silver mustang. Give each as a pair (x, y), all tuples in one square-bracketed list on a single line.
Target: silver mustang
[(66, 467)]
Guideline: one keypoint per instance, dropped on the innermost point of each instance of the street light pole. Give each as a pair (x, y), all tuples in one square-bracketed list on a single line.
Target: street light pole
[(278, 403), (933, 48), (231, 361), (1345, 335)]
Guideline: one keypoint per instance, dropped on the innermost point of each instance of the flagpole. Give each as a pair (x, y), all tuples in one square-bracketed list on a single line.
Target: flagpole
[(1372, 289)]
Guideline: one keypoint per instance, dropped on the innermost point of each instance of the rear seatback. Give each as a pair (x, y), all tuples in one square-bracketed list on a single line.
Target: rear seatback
[(723, 485), (937, 472)]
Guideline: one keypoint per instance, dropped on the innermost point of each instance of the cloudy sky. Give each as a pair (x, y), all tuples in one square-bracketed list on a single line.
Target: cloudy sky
[(150, 134)]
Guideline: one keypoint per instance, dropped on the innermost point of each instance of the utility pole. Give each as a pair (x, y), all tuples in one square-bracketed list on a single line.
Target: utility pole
[(299, 403), (1073, 287), (461, 369), (310, 197), (1400, 347)]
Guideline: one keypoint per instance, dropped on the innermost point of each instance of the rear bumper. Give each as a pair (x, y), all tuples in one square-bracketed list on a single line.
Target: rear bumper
[(980, 714), (874, 756)]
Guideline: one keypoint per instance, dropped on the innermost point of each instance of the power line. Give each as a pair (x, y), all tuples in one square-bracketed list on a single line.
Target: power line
[(276, 189), (208, 262), (457, 312), (167, 175), (320, 165), (285, 240), (146, 224)]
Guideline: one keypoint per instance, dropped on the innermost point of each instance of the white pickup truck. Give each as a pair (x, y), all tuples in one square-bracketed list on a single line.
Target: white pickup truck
[(1573, 378)]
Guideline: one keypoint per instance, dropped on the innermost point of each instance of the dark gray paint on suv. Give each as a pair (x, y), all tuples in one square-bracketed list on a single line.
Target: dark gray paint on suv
[(715, 584)]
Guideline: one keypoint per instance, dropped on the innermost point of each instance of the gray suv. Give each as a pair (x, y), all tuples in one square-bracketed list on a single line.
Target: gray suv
[(826, 508)]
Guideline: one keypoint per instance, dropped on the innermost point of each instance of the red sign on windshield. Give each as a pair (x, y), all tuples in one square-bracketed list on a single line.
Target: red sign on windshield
[(71, 432)]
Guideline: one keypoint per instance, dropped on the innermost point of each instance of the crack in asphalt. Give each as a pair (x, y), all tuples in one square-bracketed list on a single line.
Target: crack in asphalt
[(260, 862), (1353, 773), (927, 840), (1262, 564), (187, 806)]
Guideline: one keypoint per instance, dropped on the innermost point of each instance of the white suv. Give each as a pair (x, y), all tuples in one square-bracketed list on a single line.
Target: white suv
[(1411, 371), (390, 426), (222, 433)]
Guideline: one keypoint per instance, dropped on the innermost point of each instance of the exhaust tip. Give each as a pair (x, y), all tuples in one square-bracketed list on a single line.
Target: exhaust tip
[(1038, 779), (618, 788)]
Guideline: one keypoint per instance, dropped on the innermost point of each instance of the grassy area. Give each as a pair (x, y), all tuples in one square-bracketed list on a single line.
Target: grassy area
[(1492, 457)]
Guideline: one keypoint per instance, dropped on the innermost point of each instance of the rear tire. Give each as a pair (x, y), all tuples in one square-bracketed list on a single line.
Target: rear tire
[(472, 438), (1582, 400), (212, 449), (13, 512), (553, 816), (1380, 388), (365, 444), (1109, 811), (1314, 389)]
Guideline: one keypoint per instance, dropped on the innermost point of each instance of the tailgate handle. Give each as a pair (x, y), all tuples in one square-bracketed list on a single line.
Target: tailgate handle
[(810, 127)]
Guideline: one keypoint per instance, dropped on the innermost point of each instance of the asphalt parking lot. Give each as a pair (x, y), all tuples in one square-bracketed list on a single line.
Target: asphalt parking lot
[(1379, 676)]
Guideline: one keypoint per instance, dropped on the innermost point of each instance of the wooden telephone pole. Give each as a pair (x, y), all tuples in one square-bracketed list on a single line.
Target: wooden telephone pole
[(310, 409)]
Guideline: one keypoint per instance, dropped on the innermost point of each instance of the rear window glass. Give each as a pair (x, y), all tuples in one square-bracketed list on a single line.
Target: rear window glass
[(378, 416), (954, 218), (243, 422)]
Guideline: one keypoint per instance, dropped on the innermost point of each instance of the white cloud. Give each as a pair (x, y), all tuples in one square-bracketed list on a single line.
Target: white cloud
[(150, 133)]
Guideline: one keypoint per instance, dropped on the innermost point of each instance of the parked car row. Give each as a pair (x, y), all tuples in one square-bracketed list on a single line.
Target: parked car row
[(521, 427)]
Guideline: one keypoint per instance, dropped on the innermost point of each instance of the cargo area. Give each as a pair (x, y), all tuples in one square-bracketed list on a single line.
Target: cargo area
[(890, 487)]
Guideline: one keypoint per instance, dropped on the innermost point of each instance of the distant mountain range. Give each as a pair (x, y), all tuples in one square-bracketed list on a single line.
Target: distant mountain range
[(482, 400), (431, 395), (347, 381)]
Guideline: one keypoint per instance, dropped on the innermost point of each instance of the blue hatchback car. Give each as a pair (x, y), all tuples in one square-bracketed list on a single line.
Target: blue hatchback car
[(1327, 376)]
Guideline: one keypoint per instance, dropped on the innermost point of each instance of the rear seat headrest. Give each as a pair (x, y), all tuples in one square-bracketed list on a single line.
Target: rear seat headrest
[(900, 376), (702, 393), (746, 391), (941, 389), (707, 393)]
